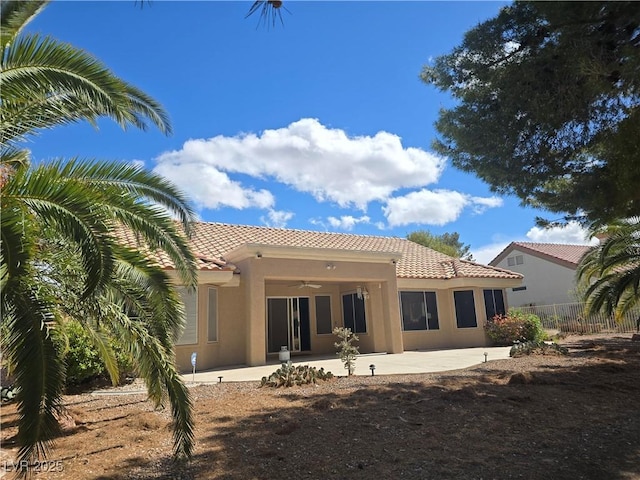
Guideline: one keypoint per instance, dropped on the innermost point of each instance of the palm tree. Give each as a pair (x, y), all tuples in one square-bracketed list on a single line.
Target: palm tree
[(610, 272), (86, 208)]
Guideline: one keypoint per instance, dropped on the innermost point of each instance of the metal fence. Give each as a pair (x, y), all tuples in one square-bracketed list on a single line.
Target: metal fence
[(571, 318)]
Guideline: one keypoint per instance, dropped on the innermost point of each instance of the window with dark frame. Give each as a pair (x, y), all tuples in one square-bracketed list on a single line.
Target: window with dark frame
[(493, 303), (323, 314), (354, 313), (465, 309), (419, 311)]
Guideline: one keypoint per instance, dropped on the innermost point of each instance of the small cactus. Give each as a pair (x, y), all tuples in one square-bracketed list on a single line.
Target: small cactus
[(289, 375)]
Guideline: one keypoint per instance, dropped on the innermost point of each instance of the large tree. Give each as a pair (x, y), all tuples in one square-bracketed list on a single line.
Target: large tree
[(547, 106), (609, 274), (83, 208), (447, 243)]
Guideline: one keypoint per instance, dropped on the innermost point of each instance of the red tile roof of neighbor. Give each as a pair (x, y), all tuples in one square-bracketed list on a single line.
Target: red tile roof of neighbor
[(211, 242), (563, 254)]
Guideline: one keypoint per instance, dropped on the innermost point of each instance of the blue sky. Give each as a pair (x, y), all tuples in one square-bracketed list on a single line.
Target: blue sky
[(322, 124)]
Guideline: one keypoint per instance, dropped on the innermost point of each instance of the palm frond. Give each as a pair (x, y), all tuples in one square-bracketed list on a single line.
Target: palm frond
[(14, 16), (47, 83), (610, 272), (70, 207), (156, 366), (38, 371)]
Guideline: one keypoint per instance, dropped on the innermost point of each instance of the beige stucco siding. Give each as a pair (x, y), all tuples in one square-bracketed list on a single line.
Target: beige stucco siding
[(229, 349), (449, 335), (274, 277)]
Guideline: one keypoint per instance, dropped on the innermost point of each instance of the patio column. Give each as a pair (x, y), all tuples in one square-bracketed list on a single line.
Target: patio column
[(391, 312), (256, 318)]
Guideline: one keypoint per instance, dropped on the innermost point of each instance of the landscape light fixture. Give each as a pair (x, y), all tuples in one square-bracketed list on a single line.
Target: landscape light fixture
[(372, 367), (485, 357)]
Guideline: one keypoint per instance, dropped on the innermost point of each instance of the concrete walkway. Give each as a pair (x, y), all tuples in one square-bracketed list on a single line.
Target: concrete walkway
[(424, 361)]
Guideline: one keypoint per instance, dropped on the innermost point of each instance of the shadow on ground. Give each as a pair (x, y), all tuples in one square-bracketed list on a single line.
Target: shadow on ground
[(568, 421)]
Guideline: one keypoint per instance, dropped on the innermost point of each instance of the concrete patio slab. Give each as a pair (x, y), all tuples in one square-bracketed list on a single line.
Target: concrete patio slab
[(423, 361)]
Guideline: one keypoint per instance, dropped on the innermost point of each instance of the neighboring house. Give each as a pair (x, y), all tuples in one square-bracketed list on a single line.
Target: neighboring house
[(262, 288), (549, 271)]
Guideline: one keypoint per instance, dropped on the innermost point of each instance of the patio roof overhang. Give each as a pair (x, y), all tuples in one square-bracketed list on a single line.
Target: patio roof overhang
[(256, 250)]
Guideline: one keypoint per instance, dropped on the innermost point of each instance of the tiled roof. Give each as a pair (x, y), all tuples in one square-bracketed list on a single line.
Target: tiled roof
[(213, 241), (568, 255)]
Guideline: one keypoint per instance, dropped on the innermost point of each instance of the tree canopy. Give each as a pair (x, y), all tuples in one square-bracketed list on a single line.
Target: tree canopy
[(547, 106), (447, 243)]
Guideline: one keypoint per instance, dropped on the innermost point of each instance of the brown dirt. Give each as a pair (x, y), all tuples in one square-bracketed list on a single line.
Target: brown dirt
[(534, 417)]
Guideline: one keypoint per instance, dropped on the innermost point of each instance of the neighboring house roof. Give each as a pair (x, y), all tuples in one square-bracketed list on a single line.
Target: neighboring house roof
[(562, 254), (212, 242)]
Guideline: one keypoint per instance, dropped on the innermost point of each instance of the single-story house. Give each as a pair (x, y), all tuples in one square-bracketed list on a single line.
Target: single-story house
[(262, 288), (549, 271)]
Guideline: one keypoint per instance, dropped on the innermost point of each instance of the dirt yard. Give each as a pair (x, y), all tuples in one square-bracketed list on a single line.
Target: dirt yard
[(536, 417)]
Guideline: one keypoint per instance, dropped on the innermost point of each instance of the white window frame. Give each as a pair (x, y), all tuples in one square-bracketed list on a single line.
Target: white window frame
[(186, 296), (217, 317)]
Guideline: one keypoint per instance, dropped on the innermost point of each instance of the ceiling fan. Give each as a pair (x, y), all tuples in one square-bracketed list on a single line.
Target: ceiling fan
[(307, 285)]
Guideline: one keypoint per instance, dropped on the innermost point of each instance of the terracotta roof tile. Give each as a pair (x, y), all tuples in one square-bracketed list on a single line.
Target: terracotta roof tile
[(565, 254), (216, 240)]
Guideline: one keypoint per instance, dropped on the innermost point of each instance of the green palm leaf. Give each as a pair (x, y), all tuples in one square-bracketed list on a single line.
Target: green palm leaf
[(610, 272), (86, 209)]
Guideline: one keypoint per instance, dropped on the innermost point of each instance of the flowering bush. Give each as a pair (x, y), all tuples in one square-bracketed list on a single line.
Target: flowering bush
[(515, 326)]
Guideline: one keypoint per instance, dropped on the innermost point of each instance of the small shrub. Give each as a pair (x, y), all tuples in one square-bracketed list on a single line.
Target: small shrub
[(515, 326), (83, 362), (537, 348), (289, 375), (347, 351)]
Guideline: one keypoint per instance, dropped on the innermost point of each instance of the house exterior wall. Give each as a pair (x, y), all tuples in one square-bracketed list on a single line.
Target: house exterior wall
[(241, 312), (449, 335), (229, 349), (546, 282)]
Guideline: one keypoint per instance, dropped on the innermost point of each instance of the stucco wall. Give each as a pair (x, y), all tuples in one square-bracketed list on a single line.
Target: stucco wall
[(230, 347), (546, 282), (449, 335), (242, 326)]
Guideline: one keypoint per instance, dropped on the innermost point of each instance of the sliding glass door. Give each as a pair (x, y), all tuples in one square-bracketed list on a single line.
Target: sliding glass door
[(288, 324)]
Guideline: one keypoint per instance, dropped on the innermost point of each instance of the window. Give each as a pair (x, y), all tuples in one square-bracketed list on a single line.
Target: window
[(353, 313), (517, 260), (493, 303), (323, 314), (212, 316), (190, 332), (419, 311), (465, 309)]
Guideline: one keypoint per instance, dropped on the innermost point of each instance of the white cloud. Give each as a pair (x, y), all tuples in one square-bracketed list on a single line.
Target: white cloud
[(437, 207), (277, 218), (306, 155), (488, 252), (347, 222), (481, 204), (573, 234), (209, 187)]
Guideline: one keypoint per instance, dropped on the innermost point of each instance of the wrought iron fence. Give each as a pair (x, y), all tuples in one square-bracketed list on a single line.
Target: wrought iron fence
[(571, 318)]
